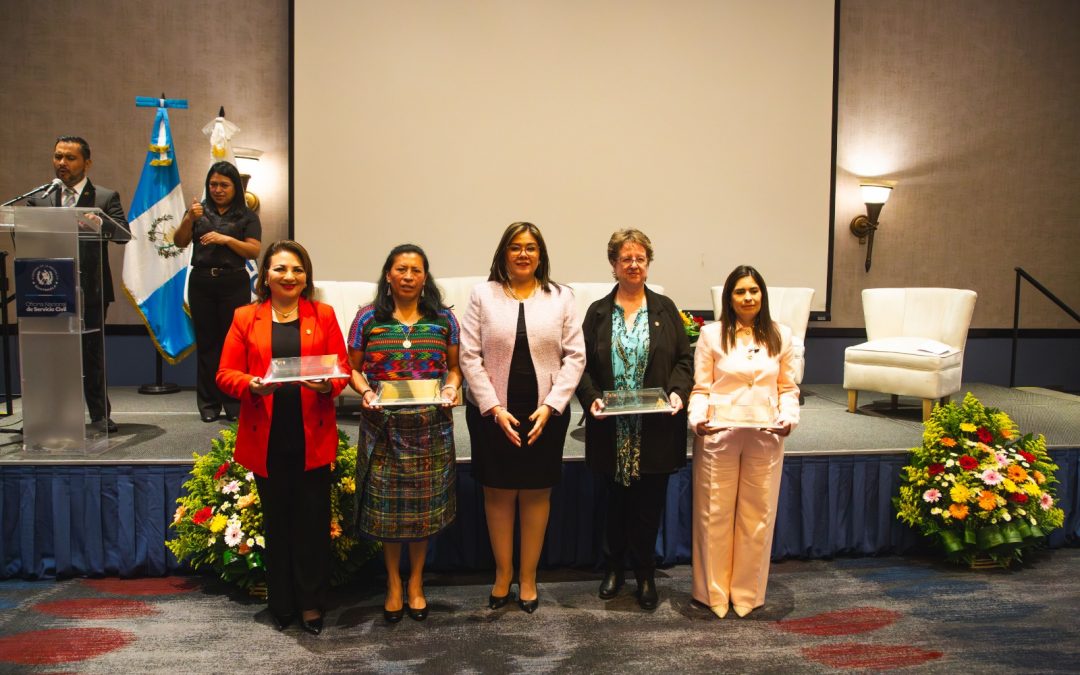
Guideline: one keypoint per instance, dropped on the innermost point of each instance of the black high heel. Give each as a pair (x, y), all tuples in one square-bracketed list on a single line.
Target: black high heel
[(499, 601), (529, 606), (418, 614), (314, 626), (393, 616)]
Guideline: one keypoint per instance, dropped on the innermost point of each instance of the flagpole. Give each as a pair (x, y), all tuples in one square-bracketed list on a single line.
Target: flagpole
[(158, 386)]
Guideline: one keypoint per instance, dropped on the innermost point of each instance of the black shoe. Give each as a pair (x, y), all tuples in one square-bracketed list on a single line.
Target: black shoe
[(393, 616), (418, 614), (314, 626), (105, 424), (209, 417), (646, 594), (609, 587), (499, 601), (282, 622), (529, 606), (230, 416)]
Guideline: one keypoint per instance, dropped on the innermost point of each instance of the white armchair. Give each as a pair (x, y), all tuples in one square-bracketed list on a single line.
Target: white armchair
[(915, 344), (588, 292), (456, 290), (789, 306), (345, 297)]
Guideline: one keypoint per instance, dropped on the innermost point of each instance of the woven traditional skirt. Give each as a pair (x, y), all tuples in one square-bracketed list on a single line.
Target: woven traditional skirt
[(406, 473)]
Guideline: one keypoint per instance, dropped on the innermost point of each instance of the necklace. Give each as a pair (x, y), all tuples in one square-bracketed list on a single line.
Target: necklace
[(407, 329), (744, 330), (517, 297), (286, 315)]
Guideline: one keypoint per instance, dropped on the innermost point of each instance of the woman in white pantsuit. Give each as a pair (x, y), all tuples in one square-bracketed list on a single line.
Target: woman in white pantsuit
[(743, 362)]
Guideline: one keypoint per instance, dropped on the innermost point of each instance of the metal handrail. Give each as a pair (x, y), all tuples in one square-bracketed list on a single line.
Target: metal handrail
[(1021, 274)]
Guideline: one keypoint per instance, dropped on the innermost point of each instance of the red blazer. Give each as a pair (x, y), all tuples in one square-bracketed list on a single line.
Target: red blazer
[(246, 354)]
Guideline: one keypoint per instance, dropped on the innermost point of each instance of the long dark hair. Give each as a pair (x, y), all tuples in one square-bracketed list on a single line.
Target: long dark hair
[(498, 261), (232, 173), (262, 290), (430, 298), (765, 331)]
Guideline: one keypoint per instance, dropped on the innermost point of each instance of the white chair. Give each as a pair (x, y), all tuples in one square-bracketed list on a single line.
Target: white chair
[(787, 305), (456, 290), (915, 344), (346, 297), (588, 292)]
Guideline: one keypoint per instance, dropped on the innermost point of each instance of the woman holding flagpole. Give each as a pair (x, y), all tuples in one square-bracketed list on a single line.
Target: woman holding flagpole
[(226, 234)]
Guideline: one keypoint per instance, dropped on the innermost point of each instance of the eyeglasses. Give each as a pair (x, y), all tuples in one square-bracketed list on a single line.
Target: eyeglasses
[(214, 185), (529, 249), (627, 262)]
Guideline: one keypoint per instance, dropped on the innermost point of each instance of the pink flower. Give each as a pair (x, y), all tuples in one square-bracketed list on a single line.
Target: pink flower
[(991, 477), (231, 487), (1002, 458), (1046, 502), (233, 535), (931, 495)]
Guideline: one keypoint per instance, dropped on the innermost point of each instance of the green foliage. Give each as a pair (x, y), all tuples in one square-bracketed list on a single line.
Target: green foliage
[(219, 521), (977, 486)]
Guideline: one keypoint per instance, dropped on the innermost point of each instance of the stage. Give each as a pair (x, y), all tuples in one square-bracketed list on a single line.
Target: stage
[(109, 514)]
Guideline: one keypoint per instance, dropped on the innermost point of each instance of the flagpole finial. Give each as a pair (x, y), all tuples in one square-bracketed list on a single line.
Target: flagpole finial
[(221, 111)]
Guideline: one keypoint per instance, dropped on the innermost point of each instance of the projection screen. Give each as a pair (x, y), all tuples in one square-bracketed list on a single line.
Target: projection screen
[(707, 124)]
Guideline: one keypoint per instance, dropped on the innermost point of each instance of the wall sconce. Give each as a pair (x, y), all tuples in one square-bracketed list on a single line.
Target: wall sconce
[(247, 162), (874, 194)]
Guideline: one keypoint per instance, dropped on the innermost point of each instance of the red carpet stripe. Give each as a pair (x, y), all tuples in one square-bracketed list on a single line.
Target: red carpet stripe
[(841, 622), (61, 645), (97, 608), (876, 657), (162, 586)]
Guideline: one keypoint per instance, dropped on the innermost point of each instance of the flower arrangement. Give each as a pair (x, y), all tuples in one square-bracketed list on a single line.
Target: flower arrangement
[(219, 521), (692, 325), (978, 486)]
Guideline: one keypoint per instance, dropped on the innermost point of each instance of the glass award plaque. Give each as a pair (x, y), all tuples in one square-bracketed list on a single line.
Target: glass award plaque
[(727, 415), (409, 392), (636, 402), (296, 368)]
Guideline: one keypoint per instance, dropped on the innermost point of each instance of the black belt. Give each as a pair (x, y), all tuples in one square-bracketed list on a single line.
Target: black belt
[(218, 271)]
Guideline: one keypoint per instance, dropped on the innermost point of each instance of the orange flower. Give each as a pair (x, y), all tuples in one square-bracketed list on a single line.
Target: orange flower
[(948, 442), (335, 529), (958, 511), (987, 500), (1017, 473), (1039, 477), (1005, 433), (243, 549), (984, 447)]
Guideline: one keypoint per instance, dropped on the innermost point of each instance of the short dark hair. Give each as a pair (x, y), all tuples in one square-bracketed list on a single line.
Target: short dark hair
[(430, 299), (498, 261), (765, 331), (78, 140), (262, 291), (233, 174)]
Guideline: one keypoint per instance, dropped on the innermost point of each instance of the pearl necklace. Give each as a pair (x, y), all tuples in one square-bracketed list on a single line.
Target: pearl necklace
[(517, 297), (285, 315)]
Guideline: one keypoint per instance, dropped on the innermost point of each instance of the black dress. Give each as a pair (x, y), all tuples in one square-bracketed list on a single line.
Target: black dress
[(496, 462), (296, 503)]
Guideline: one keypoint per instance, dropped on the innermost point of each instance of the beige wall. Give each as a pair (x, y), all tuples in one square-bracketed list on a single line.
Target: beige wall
[(969, 105)]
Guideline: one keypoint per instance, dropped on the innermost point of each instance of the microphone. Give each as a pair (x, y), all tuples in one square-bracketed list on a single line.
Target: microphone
[(50, 188)]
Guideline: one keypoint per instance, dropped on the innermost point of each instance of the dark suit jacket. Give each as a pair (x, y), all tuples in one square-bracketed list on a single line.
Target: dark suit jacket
[(670, 366), (94, 271)]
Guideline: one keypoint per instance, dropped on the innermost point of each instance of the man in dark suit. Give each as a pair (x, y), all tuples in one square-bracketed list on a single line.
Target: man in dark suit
[(71, 161)]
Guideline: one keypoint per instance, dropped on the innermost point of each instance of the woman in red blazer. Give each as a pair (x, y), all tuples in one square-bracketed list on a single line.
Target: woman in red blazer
[(287, 434)]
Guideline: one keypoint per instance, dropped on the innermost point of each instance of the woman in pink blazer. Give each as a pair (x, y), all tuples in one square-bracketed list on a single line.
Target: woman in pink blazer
[(287, 434), (742, 370), (522, 354)]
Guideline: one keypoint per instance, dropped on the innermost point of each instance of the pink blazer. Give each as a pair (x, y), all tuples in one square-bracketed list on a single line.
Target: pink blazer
[(718, 373), (488, 332)]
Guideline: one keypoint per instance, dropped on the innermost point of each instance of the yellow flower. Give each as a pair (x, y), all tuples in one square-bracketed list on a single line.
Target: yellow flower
[(958, 511), (218, 522), (1009, 485), (967, 426), (245, 501), (960, 493), (348, 485), (1039, 477), (1031, 488), (987, 500)]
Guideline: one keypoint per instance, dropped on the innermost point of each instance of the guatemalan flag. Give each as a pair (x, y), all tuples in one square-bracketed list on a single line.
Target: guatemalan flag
[(155, 269)]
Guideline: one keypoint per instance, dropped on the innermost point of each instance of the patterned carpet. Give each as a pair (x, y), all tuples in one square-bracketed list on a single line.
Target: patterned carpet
[(863, 614)]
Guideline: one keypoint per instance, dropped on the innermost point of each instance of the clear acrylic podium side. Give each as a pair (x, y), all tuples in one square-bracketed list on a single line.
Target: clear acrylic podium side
[(51, 347)]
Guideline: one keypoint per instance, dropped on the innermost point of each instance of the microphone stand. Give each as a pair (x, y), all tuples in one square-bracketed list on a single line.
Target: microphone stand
[(21, 197)]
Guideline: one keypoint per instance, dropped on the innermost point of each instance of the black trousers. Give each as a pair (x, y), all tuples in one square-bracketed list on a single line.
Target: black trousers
[(212, 300), (633, 521), (296, 522), (93, 361)]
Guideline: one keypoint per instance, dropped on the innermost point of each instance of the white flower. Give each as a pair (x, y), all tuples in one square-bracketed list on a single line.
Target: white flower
[(249, 476), (210, 542), (1006, 517), (233, 535), (260, 541), (950, 463), (251, 542), (231, 487), (225, 506), (935, 511)]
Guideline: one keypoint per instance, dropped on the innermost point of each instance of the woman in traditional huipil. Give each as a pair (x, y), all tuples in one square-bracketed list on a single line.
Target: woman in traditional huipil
[(406, 461), (743, 359)]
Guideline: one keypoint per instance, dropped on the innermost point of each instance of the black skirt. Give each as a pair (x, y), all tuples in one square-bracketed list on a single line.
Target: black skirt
[(496, 462)]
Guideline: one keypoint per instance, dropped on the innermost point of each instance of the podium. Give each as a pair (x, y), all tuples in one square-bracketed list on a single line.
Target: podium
[(55, 311)]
